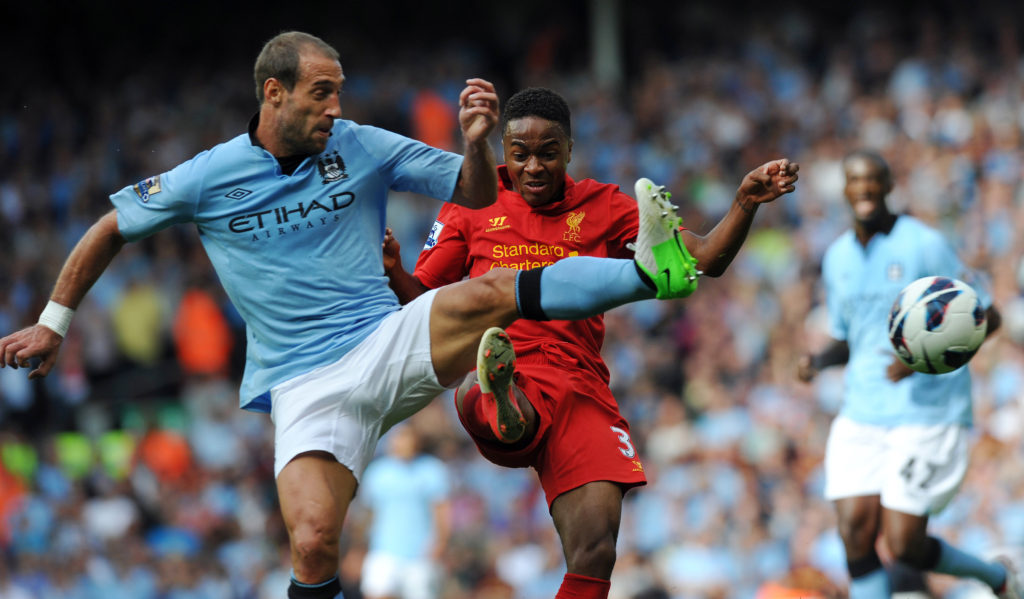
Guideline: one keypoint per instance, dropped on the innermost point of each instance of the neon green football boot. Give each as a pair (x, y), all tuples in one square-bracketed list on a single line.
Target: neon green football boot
[(495, 367), (660, 252)]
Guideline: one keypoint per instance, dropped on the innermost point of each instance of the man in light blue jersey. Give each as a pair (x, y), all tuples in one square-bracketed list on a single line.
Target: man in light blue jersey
[(898, 450), (407, 491), (291, 214)]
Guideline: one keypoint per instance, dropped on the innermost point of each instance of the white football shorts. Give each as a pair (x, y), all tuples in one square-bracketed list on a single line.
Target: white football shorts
[(386, 575), (914, 469), (343, 408)]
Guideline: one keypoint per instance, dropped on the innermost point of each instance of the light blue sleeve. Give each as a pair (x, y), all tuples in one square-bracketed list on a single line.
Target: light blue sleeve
[(158, 202), (410, 165)]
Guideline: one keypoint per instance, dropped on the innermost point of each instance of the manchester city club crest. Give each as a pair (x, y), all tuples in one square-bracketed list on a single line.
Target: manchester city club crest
[(332, 167)]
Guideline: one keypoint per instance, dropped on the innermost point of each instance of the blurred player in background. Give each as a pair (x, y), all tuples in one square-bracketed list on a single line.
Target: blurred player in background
[(557, 413), (407, 491), (291, 214), (898, 450)]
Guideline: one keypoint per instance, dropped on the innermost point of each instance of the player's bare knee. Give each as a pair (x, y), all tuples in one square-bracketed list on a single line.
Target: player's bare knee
[(496, 289), (489, 298), (857, 536), (909, 549), (847, 530), (314, 544)]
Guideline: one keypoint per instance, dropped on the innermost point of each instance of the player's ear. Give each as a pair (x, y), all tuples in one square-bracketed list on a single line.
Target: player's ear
[(273, 91), (568, 158)]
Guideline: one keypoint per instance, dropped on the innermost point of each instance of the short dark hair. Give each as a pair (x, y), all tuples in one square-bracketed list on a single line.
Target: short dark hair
[(279, 58), (870, 156), (540, 102)]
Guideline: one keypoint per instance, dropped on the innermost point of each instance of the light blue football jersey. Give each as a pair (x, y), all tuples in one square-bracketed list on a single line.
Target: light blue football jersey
[(299, 255), (403, 496), (861, 284)]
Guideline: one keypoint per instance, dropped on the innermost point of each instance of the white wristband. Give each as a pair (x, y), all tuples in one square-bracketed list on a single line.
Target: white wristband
[(57, 318)]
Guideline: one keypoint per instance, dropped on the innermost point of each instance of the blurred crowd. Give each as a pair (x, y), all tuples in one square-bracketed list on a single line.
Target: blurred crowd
[(130, 472)]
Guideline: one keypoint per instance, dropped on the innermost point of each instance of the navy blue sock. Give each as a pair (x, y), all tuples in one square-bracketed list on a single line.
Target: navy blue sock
[(868, 579), (579, 287), (958, 563), (328, 589)]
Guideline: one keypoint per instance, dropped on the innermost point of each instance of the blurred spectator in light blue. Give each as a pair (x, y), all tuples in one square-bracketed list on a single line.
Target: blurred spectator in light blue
[(407, 491)]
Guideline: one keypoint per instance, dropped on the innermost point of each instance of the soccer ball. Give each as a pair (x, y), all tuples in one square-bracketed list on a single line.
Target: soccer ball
[(936, 324)]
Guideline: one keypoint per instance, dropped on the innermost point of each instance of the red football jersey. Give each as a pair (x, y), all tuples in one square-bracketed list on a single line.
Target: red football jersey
[(592, 219)]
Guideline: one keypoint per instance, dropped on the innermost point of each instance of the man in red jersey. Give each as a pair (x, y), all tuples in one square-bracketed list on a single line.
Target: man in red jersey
[(556, 412)]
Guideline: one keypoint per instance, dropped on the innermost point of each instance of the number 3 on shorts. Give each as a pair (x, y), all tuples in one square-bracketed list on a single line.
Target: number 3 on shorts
[(627, 445)]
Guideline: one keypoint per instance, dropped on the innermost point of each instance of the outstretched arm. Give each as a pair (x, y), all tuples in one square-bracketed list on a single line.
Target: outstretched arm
[(835, 353), (478, 116), (716, 250), (405, 285), (994, 319), (83, 267)]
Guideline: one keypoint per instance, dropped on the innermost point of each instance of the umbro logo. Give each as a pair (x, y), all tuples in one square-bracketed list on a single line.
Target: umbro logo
[(237, 193)]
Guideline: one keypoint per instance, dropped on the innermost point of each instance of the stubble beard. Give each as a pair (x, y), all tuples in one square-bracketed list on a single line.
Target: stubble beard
[(297, 141)]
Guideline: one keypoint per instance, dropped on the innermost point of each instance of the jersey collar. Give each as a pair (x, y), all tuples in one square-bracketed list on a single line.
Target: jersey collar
[(254, 122), (288, 163)]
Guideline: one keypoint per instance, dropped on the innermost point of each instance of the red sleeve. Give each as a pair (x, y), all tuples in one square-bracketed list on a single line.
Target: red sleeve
[(444, 257), (622, 226)]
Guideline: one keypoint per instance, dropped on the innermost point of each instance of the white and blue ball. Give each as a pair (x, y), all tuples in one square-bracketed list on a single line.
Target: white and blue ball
[(936, 324)]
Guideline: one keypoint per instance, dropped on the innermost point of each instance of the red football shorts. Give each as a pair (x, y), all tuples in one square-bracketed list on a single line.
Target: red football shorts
[(581, 437)]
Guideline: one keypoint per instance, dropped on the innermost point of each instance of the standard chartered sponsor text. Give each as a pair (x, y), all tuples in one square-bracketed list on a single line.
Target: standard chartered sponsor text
[(532, 255)]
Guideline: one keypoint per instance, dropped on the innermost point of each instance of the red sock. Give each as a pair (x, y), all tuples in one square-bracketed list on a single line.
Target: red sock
[(474, 413), (575, 586)]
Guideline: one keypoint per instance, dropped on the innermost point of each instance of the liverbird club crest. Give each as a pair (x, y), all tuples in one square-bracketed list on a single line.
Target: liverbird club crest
[(332, 167), (573, 221)]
